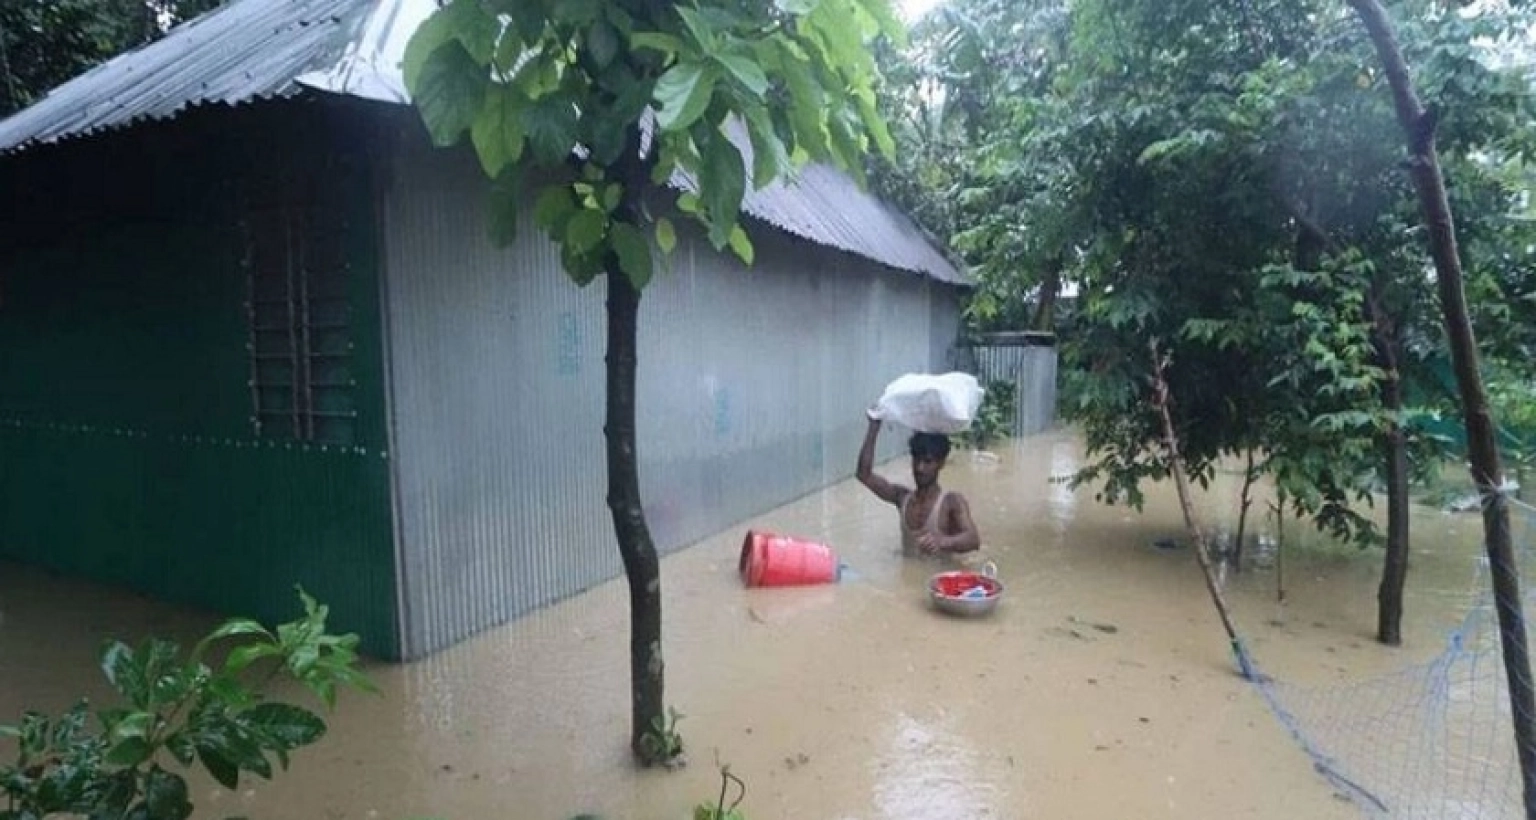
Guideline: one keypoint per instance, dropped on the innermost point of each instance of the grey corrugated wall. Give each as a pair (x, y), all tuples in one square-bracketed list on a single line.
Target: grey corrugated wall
[(1032, 372), (752, 389)]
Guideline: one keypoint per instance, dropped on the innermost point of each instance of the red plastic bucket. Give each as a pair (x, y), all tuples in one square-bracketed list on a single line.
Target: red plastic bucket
[(771, 560)]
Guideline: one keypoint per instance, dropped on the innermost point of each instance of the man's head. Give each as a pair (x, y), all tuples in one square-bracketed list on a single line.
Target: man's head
[(929, 450)]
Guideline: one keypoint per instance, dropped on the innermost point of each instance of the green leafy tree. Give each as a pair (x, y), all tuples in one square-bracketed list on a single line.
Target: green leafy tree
[(972, 104), (597, 104), (1225, 177)]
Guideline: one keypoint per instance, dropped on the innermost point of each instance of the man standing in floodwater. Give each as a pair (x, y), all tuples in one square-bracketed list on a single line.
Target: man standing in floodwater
[(933, 521)]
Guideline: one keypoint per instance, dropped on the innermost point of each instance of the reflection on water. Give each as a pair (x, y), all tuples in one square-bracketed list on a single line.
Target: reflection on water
[(929, 772), (1101, 687)]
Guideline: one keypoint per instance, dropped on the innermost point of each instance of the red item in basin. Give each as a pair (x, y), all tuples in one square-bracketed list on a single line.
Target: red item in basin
[(954, 584)]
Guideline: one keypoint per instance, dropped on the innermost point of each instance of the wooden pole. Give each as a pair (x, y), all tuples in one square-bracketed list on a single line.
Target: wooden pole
[(1279, 509), (1160, 400)]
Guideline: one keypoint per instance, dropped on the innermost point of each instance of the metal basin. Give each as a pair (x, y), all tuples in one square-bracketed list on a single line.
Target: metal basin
[(966, 593)]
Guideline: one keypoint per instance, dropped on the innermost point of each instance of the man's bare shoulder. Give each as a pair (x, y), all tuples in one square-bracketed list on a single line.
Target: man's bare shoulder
[(955, 498)]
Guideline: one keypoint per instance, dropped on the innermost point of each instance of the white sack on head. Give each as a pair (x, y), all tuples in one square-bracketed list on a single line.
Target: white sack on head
[(927, 403)]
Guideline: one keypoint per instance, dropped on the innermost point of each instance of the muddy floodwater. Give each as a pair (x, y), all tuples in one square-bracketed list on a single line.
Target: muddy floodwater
[(1102, 687)]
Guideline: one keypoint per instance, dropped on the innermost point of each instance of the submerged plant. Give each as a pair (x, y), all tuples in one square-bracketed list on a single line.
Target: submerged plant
[(662, 742), (176, 712), (720, 811)]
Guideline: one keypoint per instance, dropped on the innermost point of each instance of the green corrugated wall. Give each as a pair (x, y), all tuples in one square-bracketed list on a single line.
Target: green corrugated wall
[(126, 449)]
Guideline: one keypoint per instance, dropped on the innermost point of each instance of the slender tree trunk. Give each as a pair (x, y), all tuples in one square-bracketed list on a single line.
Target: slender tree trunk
[(641, 565), (1279, 508), (1050, 289), (1160, 401), (1394, 571), (1249, 477), (1483, 451)]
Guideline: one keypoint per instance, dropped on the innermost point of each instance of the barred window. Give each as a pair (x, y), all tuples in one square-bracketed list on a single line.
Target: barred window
[(302, 373)]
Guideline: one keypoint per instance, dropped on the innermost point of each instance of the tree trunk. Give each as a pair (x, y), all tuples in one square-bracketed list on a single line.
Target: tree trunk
[(1483, 451), (1249, 477), (1050, 289), (642, 567), (1279, 508), (1394, 571)]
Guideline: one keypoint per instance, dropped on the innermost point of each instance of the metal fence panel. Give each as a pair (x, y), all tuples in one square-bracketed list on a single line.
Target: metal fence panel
[(1028, 363)]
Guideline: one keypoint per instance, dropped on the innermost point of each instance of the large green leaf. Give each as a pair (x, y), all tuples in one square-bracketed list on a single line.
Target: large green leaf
[(450, 92), (746, 71), (807, 107), (165, 795), (288, 727), (551, 124), (462, 20), (602, 43), (683, 93), (429, 36), (722, 183), (886, 20), (579, 267), (474, 28), (553, 209), (129, 752), (847, 146), (223, 737), (238, 626), (180, 746), (226, 773), (839, 38), (586, 230), (132, 724), (705, 33), (634, 254), (246, 655), (497, 132), (874, 123), (741, 245), (539, 77), (666, 235), (769, 160), (605, 135), (526, 19)]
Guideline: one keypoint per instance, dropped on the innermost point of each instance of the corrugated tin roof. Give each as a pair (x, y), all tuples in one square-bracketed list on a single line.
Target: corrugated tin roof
[(825, 206), (262, 49), (246, 50)]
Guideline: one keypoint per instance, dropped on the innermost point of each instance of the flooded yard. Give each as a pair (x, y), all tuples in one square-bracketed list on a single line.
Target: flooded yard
[(1102, 686)]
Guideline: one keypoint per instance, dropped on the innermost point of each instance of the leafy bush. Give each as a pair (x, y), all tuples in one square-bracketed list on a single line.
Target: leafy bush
[(177, 712), (994, 419)]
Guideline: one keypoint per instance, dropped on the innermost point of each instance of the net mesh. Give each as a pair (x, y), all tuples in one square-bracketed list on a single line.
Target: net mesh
[(1433, 740)]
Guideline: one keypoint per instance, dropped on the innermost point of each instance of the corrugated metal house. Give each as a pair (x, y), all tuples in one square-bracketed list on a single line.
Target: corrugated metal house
[(252, 334)]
